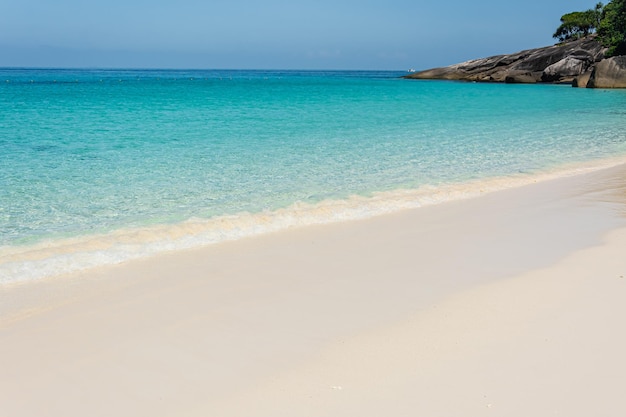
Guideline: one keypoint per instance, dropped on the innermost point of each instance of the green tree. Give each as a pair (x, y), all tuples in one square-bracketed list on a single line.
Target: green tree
[(595, 15), (575, 25), (612, 30)]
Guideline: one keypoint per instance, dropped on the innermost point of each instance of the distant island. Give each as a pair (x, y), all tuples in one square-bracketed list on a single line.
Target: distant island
[(591, 53)]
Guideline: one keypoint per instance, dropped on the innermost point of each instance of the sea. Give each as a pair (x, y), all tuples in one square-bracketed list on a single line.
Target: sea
[(98, 167)]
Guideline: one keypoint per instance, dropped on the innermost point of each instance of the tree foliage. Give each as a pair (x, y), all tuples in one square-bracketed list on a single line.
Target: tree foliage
[(608, 21), (612, 29), (576, 25)]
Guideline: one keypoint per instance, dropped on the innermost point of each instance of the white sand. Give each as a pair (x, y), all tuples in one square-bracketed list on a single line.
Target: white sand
[(510, 304)]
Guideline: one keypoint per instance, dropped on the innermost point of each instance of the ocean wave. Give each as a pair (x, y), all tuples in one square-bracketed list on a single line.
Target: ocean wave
[(71, 255)]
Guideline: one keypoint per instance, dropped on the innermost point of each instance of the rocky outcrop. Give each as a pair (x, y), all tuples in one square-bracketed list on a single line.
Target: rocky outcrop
[(553, 64), (609, 73), (567, 68), (582, 80)]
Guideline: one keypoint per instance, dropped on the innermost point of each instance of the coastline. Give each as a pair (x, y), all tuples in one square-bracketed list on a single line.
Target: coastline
[(511, 301), (53, 258)]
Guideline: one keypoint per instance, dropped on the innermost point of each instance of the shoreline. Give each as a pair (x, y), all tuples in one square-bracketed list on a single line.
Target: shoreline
[(53, 258), (511, 301)]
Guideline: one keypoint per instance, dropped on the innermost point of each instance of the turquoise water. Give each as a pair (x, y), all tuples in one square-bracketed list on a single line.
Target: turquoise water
[(89, 158)]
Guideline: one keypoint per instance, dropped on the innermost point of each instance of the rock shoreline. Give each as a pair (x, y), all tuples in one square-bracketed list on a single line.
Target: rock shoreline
[(581, 63)]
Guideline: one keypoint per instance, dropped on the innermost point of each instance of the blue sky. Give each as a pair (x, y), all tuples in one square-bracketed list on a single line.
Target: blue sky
[(271, 34)]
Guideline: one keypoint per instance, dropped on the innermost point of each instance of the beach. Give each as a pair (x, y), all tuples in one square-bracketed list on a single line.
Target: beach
[(510, 303)]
